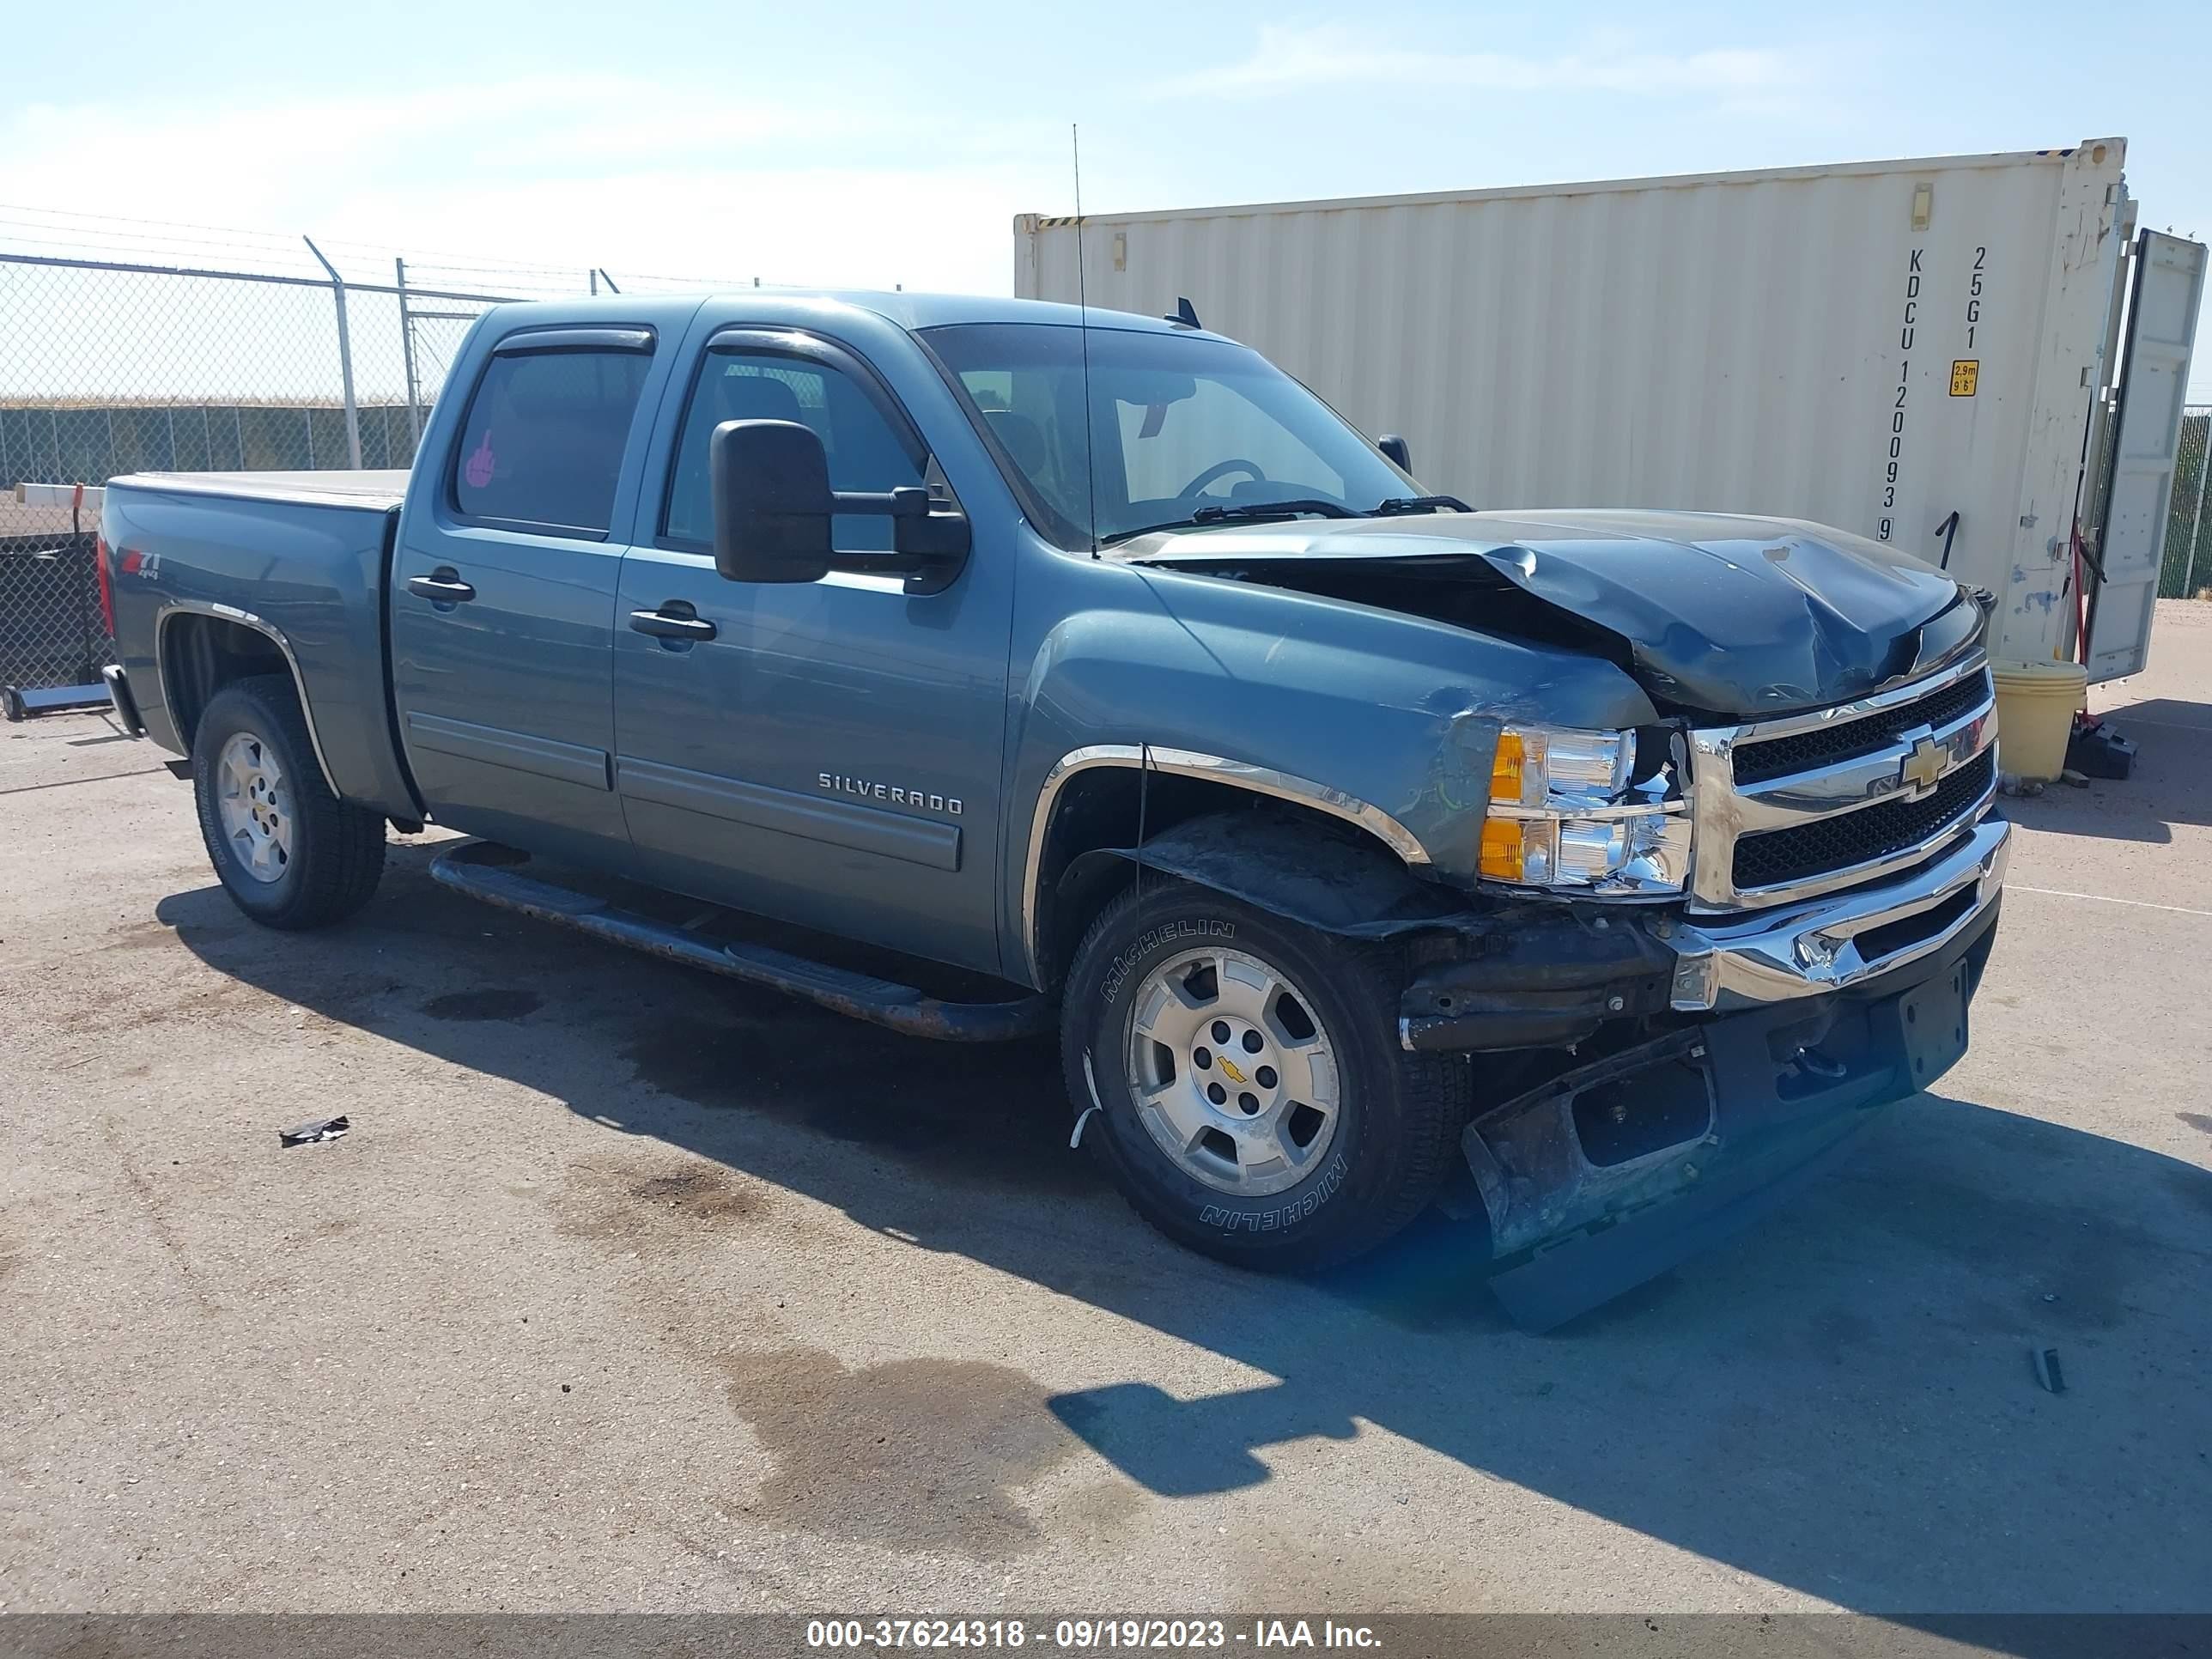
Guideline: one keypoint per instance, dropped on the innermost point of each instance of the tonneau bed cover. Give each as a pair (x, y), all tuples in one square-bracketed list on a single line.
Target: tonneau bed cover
[(378, 490)]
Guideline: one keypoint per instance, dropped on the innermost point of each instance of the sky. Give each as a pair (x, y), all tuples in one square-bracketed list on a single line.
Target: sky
[(872, 144)]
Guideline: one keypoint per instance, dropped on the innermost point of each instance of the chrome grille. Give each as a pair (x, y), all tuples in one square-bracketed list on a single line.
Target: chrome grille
[(1758, 760), (1808, 804), (1850, 839)]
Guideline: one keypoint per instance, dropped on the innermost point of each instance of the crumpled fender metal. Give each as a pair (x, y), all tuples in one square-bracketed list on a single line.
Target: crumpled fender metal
[(1546, 976), (1517, 975), (1350, 885)]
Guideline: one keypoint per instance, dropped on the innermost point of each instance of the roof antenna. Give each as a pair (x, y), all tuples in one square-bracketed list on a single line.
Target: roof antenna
[(1185, 314), (1083, 321)]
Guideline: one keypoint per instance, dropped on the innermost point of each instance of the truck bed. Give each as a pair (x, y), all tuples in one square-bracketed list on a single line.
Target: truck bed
[(377, 489), (205, 560)]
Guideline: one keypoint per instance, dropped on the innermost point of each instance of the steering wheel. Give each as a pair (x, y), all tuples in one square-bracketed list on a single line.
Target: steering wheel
[(1221, 469)]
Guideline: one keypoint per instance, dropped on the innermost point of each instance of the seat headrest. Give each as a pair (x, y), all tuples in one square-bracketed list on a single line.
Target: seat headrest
[(1022, 437), (755, 397)]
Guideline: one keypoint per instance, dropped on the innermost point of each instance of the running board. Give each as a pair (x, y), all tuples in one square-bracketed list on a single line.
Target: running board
[(483, 870), (20, 702)]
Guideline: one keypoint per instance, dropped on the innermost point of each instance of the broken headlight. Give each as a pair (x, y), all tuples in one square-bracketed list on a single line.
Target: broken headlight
[(1593, 813)]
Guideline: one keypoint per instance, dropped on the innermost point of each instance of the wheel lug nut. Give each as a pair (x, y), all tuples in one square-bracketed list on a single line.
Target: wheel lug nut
[(1217, 1094), (1221, 1030), (1249, 1102), (1264, 1076), (1203, 1058), (1252, 1042)]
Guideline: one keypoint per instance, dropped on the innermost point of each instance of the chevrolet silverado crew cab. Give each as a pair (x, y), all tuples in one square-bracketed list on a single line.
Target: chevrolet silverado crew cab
[(1590, 873)]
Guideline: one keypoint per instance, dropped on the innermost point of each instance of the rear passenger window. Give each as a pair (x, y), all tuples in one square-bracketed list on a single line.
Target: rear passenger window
[(544, 439), (865, 451)]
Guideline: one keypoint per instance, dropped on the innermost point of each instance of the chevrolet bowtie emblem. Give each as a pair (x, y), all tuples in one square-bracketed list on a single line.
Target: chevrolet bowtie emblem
[(1230, 1066), (1923, 766)]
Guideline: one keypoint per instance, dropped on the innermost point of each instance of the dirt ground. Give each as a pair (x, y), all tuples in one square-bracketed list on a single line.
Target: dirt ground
[(633, 1288)]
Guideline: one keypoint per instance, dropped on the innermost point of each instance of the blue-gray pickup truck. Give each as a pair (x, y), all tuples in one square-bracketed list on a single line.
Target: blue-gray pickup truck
[(972, 666)]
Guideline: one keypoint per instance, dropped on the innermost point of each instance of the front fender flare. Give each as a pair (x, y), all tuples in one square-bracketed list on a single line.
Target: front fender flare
[(1349, 884)]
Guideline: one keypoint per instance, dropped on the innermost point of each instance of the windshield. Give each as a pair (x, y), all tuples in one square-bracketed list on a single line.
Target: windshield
[(1179, 426)]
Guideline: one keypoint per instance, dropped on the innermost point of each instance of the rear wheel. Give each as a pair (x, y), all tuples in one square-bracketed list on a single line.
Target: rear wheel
[(1254, 1103), (289, 853)]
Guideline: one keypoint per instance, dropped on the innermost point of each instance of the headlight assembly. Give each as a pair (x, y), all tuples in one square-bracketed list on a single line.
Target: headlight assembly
[(1574, 811)]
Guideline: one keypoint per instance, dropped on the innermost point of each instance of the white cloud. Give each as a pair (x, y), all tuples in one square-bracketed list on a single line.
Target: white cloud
[(572, 170), (1287, 59)]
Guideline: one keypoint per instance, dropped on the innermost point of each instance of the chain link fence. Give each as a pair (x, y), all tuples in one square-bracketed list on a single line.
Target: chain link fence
[(114, 365), (108, 368), (2185, 570), (53, 630)]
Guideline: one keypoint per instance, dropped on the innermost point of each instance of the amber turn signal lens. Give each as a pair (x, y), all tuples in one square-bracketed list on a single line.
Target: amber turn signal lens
[(1508, 771), (1503, 857)]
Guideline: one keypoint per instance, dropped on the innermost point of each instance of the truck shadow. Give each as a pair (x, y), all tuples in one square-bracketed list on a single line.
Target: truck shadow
[(1842, 1402)]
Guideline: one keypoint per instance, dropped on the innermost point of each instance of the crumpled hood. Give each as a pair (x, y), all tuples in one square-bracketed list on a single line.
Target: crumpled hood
[(1721, 615)]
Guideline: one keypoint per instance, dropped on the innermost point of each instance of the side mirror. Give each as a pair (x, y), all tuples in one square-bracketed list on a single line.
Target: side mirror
[(1395, 450), (770, 483)]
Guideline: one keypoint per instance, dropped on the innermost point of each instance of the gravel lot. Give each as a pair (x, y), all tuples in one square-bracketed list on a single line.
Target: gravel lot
[(632, 1288)]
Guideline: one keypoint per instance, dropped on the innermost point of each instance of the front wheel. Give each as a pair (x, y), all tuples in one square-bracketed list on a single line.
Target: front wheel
[(290, 854), (1254, 1103)]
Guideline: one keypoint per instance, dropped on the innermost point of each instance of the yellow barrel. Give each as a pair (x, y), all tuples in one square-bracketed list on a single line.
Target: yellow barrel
[(2036, 702)]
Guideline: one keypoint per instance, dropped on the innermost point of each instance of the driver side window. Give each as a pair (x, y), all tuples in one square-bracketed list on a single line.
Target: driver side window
[(865, 451)]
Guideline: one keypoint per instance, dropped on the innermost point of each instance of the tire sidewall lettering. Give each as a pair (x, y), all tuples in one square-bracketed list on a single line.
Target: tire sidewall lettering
[(1151, 939), (1324, 1187), (1283, 1212)]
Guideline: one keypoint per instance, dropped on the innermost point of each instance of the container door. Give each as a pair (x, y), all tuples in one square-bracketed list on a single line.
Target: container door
[(2161, 330)]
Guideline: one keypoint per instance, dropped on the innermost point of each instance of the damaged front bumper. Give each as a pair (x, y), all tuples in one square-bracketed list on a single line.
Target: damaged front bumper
[(1556, 980), (1776, 1038), (1834, 944)]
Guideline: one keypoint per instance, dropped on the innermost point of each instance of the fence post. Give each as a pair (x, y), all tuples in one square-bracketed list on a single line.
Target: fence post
[(407, 353), (2196, 518), (345, 357)]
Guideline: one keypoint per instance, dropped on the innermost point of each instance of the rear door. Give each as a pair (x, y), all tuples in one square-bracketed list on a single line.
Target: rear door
[(2169, 285), (825, 753), (504, 594)]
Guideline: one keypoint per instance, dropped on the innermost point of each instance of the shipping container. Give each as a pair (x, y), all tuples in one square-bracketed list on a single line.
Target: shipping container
[(1925, 352)]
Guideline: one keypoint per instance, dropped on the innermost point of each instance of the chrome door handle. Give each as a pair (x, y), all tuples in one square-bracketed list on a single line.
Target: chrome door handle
[(442, 586), (663, 625)]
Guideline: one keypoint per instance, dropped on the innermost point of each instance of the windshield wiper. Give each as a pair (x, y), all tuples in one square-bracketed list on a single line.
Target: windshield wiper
[(1237, 512), (1247, 510), (1391, 507)]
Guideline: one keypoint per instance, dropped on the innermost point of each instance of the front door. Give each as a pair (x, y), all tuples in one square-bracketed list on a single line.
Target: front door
[(823, 752), (503, 597)]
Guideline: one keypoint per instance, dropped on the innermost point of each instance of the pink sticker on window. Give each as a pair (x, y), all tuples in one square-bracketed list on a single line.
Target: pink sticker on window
[(480, 467)]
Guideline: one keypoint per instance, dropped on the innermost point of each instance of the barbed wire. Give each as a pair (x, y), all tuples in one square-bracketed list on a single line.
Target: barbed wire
[(61, 231)]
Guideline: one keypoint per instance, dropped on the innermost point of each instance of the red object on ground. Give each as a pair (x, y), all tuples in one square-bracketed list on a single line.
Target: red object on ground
[(106, 583)]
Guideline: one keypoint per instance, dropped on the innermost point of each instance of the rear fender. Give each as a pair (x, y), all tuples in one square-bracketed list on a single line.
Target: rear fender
[(183, 708)]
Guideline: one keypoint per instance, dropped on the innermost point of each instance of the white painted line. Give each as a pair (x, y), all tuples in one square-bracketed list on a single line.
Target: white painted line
[(2105, 898)]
